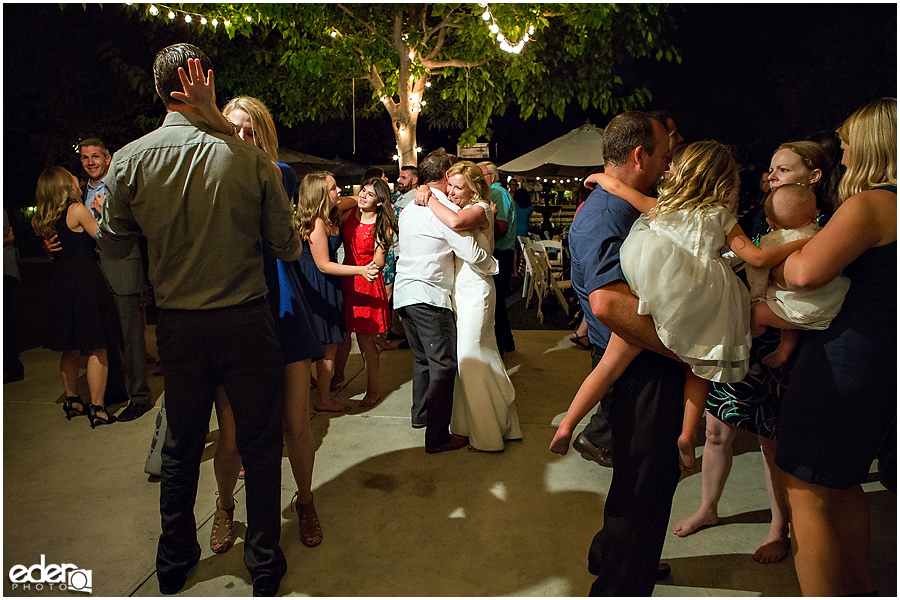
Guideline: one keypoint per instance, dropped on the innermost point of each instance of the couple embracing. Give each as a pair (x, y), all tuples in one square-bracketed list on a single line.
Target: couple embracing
[(445, 294)]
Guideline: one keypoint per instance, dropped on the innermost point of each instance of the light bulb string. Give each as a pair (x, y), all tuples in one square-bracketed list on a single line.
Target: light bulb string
[(158, 9), (502, 39)]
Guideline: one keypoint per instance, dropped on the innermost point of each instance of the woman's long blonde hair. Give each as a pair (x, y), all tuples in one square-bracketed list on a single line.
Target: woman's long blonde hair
[(55, 192), (313, 203), (481, 191), (704, 176), (871, 134), (264, 135)]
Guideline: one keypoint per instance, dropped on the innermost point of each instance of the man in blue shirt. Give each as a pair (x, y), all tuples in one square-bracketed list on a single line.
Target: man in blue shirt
[(504, 251), (644, 407)]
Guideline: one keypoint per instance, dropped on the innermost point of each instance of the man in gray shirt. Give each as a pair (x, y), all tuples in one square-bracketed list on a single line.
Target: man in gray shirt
[(207, 202)]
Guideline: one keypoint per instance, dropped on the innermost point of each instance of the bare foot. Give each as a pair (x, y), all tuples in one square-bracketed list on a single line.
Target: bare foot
[(698, 520), (560, 443), (330, 406), (686, 457), (370, 400), (772, 551), (336, 382), (776, 359)]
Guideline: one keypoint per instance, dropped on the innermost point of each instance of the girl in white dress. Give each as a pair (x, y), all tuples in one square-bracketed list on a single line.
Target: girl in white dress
[(484, 398), (673, 264)]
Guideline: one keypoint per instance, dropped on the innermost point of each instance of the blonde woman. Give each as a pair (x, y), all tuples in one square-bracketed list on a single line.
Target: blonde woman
[(484, 399), (299, 345), (842, 396), (82, 317)]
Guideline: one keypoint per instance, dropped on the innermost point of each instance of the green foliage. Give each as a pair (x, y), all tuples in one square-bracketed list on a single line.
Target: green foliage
[(299, 58)]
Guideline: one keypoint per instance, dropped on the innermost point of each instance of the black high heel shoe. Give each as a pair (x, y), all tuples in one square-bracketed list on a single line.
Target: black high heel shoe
[(96, 419), (69, 408)]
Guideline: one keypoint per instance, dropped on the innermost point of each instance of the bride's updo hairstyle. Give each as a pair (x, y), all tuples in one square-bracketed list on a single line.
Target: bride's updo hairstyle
[(481, 191), (704, 176)]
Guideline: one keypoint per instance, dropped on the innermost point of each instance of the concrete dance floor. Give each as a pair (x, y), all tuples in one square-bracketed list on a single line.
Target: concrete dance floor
[(396, 522)]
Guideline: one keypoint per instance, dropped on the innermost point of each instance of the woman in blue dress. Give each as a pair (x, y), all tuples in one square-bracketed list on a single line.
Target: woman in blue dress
[(299, 344)]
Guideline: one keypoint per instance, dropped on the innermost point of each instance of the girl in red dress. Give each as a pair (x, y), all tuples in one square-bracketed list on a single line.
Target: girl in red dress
[(367, 233)]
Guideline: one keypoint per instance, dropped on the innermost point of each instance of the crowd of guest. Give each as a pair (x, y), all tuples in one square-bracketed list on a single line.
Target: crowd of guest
[(662, 255)]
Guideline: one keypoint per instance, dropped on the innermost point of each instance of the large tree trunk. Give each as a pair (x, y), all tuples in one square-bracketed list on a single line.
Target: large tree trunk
[(404, 120)]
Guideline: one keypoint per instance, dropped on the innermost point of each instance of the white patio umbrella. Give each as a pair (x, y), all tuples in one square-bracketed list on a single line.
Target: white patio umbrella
[(572, 155)]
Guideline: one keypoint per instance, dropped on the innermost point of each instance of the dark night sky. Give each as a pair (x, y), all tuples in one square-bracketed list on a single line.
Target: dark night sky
[(752, 75)]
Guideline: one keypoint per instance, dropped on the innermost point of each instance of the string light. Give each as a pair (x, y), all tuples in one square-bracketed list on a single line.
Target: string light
[(502, 40), (189, 17)]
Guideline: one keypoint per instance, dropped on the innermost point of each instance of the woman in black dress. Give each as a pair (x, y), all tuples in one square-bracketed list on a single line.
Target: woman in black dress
[(841, 399), (82, 316)]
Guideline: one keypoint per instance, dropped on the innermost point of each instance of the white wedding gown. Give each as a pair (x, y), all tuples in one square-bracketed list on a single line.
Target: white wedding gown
[(484, 398)]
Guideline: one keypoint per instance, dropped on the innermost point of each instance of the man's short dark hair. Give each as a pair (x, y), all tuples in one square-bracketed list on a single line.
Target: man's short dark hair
[(626, 132), (165, 68), (373, 172), (414, 170), (93, 142), (663, 116), (433, 167)]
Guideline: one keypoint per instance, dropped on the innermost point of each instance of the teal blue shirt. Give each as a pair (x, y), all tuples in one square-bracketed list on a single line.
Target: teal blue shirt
[(505, 212)]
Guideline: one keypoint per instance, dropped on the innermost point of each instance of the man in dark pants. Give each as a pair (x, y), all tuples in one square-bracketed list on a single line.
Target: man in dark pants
[(644, 406), (207, 202), (594, 442), (504, 252), (425, 275), (126, 282)]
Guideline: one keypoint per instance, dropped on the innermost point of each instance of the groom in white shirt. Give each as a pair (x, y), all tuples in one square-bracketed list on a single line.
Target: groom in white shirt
[(422, 289)]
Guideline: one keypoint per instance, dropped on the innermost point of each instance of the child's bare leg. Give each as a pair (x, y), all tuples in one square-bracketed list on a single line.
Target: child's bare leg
[(369, 353), (616, 359), (789, 340), (340, 361), (695, 391), (324, 373), (761, 316), (717, 459)]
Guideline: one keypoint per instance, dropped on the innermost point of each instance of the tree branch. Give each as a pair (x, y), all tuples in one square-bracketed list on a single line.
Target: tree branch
[(439, 27), (437, 64), (364, 24)]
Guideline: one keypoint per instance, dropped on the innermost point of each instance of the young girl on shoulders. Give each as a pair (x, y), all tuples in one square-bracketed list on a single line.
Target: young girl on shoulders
[(673, 264), (368, 232)]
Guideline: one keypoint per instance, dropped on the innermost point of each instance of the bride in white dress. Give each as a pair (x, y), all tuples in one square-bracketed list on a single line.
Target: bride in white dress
[(484, 398)]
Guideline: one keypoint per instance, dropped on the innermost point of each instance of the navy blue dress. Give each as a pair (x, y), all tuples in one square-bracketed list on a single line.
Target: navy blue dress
[(842, 396), (323, 292), (286, 299), (82, 314)]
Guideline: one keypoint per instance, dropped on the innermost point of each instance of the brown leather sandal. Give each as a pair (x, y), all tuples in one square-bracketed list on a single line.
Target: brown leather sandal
[(221, 539), (310, 528)]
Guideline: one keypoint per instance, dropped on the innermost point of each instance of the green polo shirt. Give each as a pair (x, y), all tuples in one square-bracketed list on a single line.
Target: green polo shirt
[(204, 201)]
